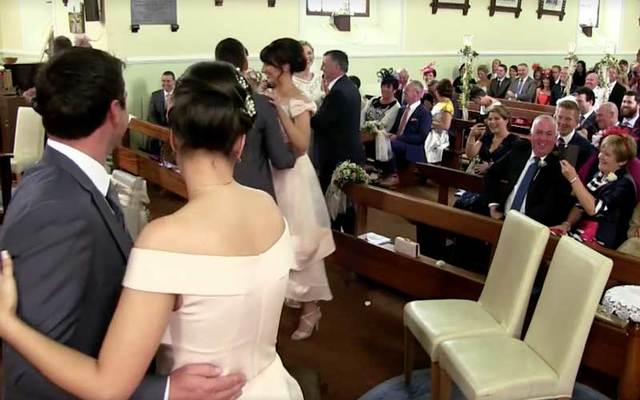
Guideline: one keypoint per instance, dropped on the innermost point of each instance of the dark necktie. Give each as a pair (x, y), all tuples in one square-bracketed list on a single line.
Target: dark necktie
[(114, 203), (561, 144), (523, 189), (581, 119)]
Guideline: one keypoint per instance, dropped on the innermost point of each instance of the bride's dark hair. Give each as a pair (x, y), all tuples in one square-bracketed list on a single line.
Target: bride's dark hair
[(284, 51), (212, 107)]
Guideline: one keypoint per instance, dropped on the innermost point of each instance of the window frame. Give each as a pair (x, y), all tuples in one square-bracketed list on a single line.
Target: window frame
[(326, 13)]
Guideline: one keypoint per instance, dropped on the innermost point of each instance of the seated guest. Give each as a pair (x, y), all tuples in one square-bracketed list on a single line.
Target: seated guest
[(623, 76), (543, 93), (491, 140), (535, 185), (537, 74), (457, 83), (634, 80), (429, 95), (606, 203), (494, 68), (567, 116), (606, 117), (385, 107), (523, 88), (408, 133), (429, 74), (483, 77), (500, 83), (630, 112), (478, 95), (615, 89), (403, 78), (160, 98), (580, 74), (513, 72), (559, 90), (592, 82), (442, 114), (587, 124)]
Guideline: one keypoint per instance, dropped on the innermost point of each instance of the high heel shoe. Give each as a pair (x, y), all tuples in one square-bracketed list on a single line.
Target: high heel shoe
[(308, 322)]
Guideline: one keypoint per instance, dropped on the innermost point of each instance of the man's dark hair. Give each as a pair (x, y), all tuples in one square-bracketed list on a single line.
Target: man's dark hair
[(504, 66), (339, 57), (75, 90), (635, 94), (61, 43), (588, 93), (477, 93), (170, 73), (355, 80), (232, 51)]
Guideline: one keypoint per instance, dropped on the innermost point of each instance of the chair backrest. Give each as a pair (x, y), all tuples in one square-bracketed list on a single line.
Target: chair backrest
[(513, 270), (29, 142), (568, 302)]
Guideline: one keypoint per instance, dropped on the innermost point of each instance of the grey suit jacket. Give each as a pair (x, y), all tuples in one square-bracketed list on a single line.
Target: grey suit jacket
[(528, 92), (264, 143), (70, 254)]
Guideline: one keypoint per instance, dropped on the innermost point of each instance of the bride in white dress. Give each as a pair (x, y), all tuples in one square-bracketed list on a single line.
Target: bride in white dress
[(298, 189), (205, 284)]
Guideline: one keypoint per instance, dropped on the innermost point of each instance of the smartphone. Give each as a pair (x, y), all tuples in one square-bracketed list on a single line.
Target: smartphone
[(570, 153), (480, 118)]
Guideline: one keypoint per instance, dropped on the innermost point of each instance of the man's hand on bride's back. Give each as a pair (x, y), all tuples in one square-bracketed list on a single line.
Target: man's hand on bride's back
[(204, 382)]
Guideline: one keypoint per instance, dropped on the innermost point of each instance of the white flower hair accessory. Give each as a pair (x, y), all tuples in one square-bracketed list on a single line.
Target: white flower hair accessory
[(249, 105)]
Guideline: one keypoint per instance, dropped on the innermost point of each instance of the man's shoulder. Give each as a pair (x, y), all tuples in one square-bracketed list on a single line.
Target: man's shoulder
[(157, 93)]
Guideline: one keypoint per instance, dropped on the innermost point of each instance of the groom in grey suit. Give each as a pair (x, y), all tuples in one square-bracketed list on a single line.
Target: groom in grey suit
[(66, 232), (264, 145)]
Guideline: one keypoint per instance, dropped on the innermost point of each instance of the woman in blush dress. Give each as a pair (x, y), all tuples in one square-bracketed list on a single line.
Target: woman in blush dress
[(309, 82), (206, 283), (543, 93), (297, 189)]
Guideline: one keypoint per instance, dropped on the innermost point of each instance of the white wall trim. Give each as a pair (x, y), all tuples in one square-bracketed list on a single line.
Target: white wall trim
[(190, 58), (20, 52)]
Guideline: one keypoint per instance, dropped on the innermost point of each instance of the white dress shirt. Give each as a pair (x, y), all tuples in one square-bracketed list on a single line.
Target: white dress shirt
[(98, 175), (631, 122), (566, 138)]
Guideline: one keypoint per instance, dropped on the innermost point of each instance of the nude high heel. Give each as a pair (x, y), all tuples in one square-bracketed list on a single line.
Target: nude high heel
[(308, 323)]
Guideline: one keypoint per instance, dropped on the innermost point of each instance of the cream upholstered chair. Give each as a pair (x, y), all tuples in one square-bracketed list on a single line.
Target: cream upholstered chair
[(502, 304), (29, 141), (545, 364)]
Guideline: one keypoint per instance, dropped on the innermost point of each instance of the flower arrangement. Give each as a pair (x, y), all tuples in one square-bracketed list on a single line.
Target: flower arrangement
[(611, 177), (346, 172), (371, 126), (608, 61), (468, 56)]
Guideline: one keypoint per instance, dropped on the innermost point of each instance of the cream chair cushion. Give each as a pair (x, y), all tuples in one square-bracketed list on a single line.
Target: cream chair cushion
[(28, 145), (503, 302), (545, 364)]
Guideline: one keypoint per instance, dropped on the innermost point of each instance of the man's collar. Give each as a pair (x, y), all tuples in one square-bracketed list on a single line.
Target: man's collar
[(587, 115), (333, 82), (92, 168), (567, 138), (632, 121)]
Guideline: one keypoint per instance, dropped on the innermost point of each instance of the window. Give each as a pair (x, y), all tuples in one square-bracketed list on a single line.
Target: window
[(357, 8)]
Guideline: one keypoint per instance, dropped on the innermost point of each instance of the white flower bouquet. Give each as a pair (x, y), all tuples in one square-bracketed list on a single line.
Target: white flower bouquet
[(346, 172)]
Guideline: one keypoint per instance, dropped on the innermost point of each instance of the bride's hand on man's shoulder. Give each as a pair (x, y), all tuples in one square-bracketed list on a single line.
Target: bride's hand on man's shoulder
[(8, 290)]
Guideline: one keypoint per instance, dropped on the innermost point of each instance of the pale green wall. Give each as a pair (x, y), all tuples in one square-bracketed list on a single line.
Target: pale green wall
[(397, 34)]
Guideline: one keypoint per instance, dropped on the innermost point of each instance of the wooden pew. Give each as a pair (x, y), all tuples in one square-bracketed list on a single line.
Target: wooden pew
[(528, 106), (611, 349), (142, 164)]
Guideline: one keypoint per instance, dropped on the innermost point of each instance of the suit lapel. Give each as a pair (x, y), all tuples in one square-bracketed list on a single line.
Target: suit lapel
[(120, 235)]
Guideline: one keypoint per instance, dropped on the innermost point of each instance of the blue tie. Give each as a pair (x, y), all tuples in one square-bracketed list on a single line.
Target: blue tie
[(521, 193)]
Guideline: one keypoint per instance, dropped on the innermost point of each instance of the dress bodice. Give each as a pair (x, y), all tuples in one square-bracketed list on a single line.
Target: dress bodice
[(230, 311), (311, 88)]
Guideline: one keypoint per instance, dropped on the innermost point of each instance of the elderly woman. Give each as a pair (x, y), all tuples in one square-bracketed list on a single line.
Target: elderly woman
[(384, 108), (489, 141), (606, 203)]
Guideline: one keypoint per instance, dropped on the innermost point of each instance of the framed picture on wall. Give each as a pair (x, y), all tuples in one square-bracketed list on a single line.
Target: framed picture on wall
[(451, 4), (551, 7), (76, 20), (508, 6)]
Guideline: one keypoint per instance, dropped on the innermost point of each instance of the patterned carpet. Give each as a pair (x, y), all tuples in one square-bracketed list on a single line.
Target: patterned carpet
[(420, 389)]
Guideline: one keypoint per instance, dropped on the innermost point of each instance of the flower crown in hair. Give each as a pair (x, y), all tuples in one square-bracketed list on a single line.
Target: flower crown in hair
[(536, 67), (249, 105), (428, 68), (387, 73)]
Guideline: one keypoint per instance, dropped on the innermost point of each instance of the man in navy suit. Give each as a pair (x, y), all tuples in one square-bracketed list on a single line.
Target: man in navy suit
[(587, 124), (567, 117), (336, 127), (409, 132), (630, 113)]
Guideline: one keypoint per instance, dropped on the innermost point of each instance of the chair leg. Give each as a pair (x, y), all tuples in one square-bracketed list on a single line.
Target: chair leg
[(444, 385), (409, 355), (435, 380)]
